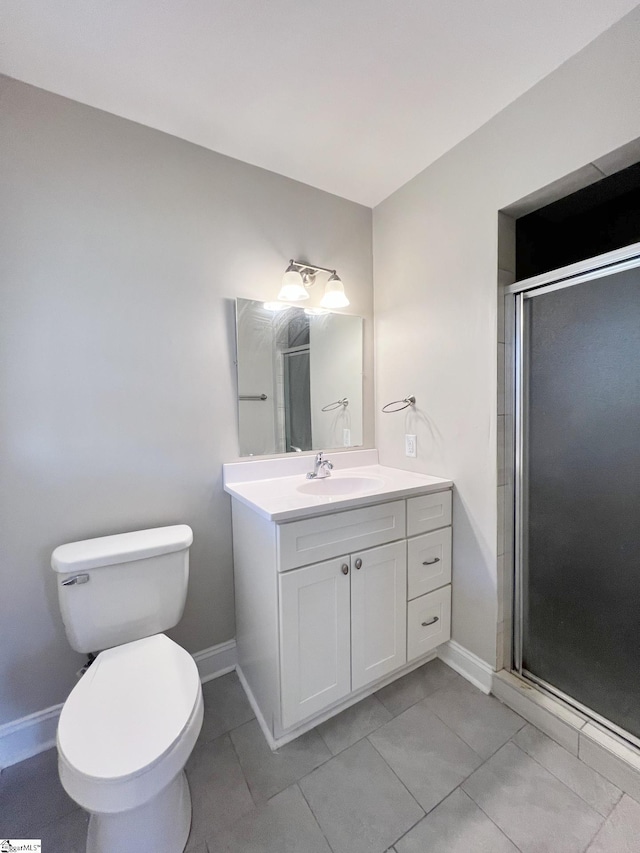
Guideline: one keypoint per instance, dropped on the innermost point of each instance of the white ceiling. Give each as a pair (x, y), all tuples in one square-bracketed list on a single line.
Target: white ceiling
[(351, 96)]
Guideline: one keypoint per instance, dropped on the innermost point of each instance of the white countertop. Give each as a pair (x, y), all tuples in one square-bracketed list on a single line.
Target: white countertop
[(286, 498)]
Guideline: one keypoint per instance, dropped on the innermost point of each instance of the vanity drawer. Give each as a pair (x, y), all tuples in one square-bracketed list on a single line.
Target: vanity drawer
[(428, 622), (312, 540), (428, 512), (429, 562)]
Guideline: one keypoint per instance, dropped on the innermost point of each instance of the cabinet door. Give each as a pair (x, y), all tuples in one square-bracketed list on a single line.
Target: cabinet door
[(314, 638), (378, 612)]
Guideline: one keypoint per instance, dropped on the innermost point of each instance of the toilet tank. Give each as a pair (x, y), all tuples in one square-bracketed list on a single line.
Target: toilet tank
[(116, 589)]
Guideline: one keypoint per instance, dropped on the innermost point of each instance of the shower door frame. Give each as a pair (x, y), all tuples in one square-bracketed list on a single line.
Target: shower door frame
[(600, 266)]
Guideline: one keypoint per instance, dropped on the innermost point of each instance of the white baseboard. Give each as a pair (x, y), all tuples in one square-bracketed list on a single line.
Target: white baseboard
[(216, 660), (256, 710), (27, 736), (466, 664)]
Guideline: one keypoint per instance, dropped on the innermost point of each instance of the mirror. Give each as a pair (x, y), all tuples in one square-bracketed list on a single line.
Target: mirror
[(299, 379)]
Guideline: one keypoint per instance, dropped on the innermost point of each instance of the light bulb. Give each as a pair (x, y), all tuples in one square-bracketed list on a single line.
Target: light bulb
[(292, 290), (334, 295)]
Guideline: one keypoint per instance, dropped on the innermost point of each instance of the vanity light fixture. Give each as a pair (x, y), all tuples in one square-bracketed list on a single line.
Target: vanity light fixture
[(299, 277)]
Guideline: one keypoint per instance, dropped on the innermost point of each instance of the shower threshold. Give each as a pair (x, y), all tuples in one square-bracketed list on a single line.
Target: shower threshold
[(614, 756)]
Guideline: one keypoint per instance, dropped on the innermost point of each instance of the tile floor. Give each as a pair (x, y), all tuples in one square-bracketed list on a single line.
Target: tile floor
[(427, 765)]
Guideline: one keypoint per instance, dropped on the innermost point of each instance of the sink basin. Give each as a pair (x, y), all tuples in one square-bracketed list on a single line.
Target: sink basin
[(340, 485)]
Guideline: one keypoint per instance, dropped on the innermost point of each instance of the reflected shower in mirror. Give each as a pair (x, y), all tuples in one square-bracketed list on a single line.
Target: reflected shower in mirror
[(299, 379)]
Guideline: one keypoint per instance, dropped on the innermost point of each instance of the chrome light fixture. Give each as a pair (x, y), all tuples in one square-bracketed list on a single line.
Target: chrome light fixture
[(300, 276)]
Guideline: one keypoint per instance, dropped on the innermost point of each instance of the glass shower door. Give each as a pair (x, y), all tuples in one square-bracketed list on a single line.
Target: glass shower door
[(579, 518)]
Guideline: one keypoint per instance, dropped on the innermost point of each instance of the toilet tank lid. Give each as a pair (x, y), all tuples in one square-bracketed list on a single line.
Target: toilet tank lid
[(121, 548)]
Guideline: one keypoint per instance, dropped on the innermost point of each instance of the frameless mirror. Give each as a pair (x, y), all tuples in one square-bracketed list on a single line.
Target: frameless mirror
[(299, 379)]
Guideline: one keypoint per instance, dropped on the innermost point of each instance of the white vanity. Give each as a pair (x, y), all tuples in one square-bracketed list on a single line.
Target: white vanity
[(342, 584)]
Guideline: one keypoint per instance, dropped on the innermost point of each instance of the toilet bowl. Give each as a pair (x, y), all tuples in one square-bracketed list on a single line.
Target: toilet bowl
[(129, 725), (124, 736)]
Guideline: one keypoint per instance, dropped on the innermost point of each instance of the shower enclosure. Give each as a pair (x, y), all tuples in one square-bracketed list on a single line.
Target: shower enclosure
[(577, 495)]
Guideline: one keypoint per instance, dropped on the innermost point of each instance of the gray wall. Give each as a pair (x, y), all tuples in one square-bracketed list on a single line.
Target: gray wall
[(121, 249), (435, 271)]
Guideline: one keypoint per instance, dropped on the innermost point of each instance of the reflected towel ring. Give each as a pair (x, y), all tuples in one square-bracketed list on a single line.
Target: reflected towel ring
[(331, 406), (407, 401)]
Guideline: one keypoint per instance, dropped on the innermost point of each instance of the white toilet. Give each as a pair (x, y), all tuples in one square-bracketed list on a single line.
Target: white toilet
[(130, 724)]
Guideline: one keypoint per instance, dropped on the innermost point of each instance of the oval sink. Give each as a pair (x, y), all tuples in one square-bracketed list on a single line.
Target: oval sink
[(340, 485)]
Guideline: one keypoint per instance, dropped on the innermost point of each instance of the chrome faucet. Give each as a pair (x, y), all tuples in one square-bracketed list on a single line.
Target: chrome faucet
[(322, 468)]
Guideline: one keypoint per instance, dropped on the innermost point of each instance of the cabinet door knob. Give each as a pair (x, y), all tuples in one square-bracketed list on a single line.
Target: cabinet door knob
[(345, 569), (431, 562), (431, 621), (358, 563)]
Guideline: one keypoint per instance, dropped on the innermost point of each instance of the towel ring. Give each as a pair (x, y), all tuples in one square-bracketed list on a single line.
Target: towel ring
[(331, 406), (407, 401)]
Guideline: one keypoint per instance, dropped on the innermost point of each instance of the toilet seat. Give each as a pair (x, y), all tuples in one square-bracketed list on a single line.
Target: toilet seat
[(129, 724)]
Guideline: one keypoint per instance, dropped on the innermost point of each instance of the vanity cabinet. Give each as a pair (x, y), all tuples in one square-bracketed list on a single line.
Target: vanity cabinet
[(342, 626), (331, 607)]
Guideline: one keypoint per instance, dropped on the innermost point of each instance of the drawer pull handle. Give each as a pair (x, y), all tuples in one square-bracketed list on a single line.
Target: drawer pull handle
[(431, 621), (345, 569), (358, 563), (431, 562)]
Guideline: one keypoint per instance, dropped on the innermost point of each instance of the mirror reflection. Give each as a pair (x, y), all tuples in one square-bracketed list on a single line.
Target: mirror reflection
[(299, 379)]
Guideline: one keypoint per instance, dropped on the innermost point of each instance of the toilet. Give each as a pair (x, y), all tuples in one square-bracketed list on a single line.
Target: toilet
[(131, 722)]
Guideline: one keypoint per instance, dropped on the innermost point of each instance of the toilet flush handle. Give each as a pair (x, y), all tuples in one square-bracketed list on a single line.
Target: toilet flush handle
[(75, 579)]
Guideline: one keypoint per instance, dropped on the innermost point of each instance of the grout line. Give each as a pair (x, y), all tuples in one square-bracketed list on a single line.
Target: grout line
[(424, 813), (244, 775), (499, 828), (575, 793), (555, 776), (483, 758), (313, 814)]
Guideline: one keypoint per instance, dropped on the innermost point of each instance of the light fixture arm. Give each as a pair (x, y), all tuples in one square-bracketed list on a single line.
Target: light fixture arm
[(304, 267)]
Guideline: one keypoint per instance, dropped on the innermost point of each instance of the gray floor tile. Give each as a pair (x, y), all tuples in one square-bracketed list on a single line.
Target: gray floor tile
[(219, 793), (284, 825), (620, 832), (599, 793), (533, 808), (411, 688), (481, 721), (225, 706), (267, 772), (31, 795), (68, 834), (457, 825), (352, 725), (426, 755), (359, 802)]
